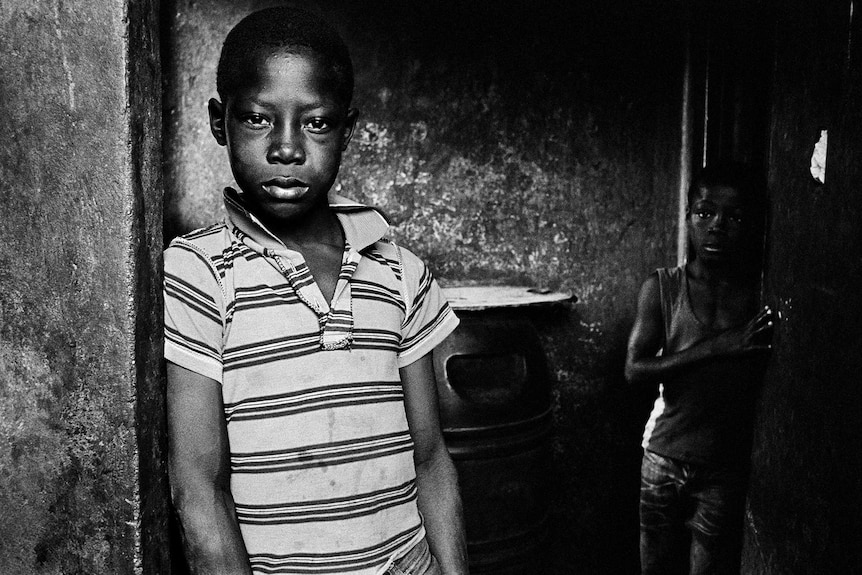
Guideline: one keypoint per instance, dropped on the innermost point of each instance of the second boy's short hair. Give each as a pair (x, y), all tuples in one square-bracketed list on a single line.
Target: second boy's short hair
[(743, 178), (282, 29)]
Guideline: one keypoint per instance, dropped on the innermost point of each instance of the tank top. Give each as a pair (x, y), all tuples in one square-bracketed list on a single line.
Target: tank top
[(703, 415)]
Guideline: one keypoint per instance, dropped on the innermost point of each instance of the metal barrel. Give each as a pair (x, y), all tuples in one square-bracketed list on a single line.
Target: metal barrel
[(495, 409)]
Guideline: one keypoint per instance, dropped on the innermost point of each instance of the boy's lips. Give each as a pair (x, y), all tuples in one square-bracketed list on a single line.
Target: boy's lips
[(285, 188)]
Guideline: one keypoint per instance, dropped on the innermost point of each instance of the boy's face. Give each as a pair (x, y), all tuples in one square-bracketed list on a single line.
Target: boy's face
[(284, 132), (717, 223)]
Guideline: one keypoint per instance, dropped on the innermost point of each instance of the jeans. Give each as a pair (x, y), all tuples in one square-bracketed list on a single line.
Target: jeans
[(690, 517), (418, 561)]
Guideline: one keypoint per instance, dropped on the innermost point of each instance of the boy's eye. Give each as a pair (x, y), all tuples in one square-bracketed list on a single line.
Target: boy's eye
[(703, 214), (318, 125), (256, 120)]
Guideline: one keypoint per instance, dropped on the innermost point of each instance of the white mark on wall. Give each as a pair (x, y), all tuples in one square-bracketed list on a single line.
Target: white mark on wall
[(70, 84), (818, 159)]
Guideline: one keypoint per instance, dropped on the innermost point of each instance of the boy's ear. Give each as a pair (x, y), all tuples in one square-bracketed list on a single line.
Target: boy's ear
[(349, 126), (216, 112)]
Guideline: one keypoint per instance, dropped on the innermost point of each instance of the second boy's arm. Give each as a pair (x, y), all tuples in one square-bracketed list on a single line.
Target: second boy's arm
[(647, 337), (436, 478), (199, 464)]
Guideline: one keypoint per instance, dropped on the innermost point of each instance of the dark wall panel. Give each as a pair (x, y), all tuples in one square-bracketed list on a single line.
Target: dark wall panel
[(804, 508), (80, 335)]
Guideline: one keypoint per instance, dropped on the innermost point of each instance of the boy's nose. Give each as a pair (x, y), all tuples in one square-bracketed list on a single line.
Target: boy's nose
[(719, 223), (285, 148)]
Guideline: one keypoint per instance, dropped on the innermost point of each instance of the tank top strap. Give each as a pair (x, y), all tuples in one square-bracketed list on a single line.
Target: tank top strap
[(669, 283)]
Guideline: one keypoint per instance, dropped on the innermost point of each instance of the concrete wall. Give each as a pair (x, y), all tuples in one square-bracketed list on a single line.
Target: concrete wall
[(805, 504), (532, 144), (79, 312), (510, 142)]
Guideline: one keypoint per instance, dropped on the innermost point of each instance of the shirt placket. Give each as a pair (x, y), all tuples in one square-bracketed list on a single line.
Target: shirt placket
[(335, 321)]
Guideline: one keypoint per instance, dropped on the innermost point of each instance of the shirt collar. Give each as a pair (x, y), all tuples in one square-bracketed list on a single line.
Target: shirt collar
[(362, 225)]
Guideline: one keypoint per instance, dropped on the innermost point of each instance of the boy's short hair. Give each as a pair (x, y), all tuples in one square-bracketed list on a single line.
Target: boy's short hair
[(747, 181), (281, 29)]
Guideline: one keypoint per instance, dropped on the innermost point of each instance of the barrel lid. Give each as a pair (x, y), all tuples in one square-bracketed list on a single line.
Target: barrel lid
[(478, 297)]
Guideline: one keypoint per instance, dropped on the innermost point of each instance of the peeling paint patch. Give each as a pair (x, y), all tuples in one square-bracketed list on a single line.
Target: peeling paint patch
[(818, 158)]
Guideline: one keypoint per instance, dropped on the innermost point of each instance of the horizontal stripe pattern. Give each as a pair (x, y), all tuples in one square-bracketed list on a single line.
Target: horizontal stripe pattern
[(325, 454), (426, 329), (193, 298), (328, 509), (303, 344), (320, 447), (261, 296), (313, 399), (340, 562), (190, 344), (370, 291)]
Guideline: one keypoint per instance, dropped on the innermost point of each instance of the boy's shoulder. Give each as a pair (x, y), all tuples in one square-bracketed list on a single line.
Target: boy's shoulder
[(395, 254), (213, 237), (667, 276), (664, 276), (661, 287), (208, 248), (670, 271)]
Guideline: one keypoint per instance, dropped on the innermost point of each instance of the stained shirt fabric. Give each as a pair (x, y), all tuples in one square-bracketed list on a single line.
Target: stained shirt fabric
[(705, 414), (321, 456)]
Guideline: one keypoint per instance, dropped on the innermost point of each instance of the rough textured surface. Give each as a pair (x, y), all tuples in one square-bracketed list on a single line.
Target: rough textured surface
[(531, 144), (518, 142), (805, 504), (146, 224), (71, 232)]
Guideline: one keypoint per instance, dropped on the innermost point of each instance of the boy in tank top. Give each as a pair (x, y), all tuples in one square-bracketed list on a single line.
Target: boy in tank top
[(700, 335)]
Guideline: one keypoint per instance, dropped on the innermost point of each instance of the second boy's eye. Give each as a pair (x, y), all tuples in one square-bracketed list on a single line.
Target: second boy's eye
[(318, 125)]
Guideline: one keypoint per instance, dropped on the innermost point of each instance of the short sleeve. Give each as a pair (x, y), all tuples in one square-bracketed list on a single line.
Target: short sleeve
[(429, 319), (194, 303)]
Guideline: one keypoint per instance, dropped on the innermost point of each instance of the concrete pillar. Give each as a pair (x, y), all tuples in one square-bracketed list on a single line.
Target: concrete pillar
[(82, 481)]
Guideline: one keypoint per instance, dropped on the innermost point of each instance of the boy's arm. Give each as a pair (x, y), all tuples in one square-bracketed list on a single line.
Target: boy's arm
[(199, 466), (643, 366), (436, 478)]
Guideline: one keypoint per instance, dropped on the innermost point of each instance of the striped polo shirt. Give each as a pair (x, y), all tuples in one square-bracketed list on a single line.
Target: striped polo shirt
[(321, 457)]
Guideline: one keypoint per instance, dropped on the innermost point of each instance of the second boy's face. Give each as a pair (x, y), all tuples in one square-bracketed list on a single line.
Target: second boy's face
[(717, 223), (284, 133)]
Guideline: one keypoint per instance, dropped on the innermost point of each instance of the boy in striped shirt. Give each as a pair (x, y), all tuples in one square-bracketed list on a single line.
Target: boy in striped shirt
[(303, 422)]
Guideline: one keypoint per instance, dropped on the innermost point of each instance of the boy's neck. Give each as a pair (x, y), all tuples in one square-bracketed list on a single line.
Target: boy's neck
[(318, 228), (715, 272)]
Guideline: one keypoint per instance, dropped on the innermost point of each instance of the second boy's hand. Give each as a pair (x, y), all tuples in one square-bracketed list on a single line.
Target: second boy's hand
[(744, 339)]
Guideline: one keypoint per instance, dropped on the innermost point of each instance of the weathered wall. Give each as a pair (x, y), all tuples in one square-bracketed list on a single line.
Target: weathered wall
[(805, 503), (145, 226), (79, 248), (519, 142)]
